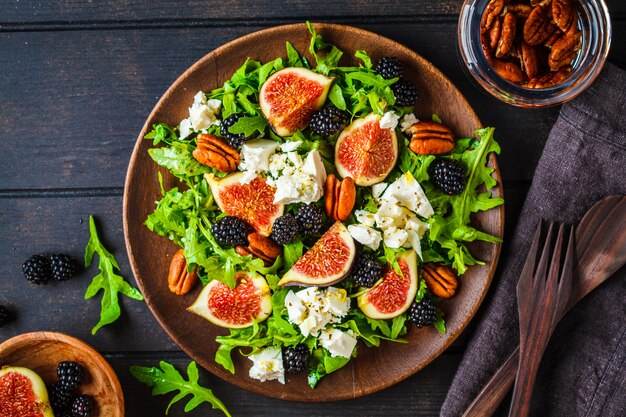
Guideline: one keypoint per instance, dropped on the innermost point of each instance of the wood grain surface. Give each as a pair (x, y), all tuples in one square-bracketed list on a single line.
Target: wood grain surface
[(78, 80)]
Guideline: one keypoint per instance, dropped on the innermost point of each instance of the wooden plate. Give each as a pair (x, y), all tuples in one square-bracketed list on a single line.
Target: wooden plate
[(42, 352), (149, 254)]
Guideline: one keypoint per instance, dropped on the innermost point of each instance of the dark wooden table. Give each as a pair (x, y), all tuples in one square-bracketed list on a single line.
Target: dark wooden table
[(77, 81)]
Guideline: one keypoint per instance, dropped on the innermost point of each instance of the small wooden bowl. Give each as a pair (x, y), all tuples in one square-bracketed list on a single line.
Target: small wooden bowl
[(42, 352)]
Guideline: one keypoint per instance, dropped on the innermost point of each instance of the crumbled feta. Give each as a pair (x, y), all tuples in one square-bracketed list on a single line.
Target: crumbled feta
[(407, 121), (290, 146), (268, 365), (337, 342), (395, 237), (365, 235), (297, 180), (255, 158), (365, 217), (185, 128), (389, 120), (408, 192), (203, 112), (313, 308), (378, 189)]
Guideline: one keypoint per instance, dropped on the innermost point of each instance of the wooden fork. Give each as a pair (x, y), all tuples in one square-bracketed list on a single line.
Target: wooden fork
[(543, 291)]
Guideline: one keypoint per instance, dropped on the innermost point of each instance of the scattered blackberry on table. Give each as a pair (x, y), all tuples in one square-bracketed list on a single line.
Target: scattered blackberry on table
[(285, 229), (448, 175), (390, 67), (329, 120), (5, 316), (367, 270), (406, 93), (83, 406), (63, 267), (423, 313), (37, 269), (295, 359), (311, 219), (60, 398), (70, 375), (236, 140), (231, 231)]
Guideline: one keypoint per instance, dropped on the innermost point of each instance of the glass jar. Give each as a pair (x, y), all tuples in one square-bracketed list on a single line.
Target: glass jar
[(595, 24)]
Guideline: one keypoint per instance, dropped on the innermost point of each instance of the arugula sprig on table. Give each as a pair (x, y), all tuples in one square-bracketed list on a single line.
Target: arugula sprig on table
[(107, 280), (167, 379)]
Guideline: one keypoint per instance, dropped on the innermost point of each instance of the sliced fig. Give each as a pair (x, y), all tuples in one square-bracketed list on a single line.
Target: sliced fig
[(23, 394), (394, 295), (326, 263), (290, 96), (253, 202), (365, 151), (237, 307)]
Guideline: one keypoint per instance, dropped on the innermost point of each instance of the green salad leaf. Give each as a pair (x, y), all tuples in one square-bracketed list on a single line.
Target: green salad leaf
[(167, 379), (107, 280)]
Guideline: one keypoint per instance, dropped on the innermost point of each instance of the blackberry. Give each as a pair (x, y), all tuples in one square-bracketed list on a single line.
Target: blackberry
[(231, 231), (390, 67), (311, 219), (60, 398), (236, 140), (448, 175), (328, 121), (37, 269), (83, 406), (285, 229), (70, 375), (63, 267), (367, 270), (423, 313), (406, 93), (64, 413), (295, 359), (5, 316)]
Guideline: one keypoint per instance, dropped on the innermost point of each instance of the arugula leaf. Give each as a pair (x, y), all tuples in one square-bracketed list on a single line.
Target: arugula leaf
[(107, 280), (249, 125), (363, 56), (161, 133), (324, 364), (329, 61), (439, 323), (178, 159), (168, 379), (293, 57), (293, 252)]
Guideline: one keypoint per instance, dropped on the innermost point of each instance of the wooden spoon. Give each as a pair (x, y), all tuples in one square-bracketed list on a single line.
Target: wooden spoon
[(600, 251)]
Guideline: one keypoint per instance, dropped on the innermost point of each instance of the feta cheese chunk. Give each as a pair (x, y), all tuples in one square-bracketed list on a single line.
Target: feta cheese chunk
[(312, 309), (389, 120), (394, 237), (338, 343), (365, 217), (290, 146), (203, 112), (268, 365), (255, 158), (185, 128), (407, 121), (297, 180), (409, 193), (365, 235)]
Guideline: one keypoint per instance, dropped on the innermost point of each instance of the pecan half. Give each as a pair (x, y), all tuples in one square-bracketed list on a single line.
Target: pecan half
[(550, 79), (510, 71), (180, 281), (495, 33), (440, 279), (261, 247), (563, 14), (339, 197), (529, 60), (492, 11), (216, 153), (556, 35), (506, 36), (430, 138), (564, 49), (538, 27), (520, 10)]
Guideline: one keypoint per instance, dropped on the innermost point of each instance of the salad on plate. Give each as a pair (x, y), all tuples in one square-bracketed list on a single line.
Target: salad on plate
[(317, 211)]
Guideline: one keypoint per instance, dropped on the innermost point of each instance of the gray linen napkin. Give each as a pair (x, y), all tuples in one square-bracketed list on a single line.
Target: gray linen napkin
[(583, 372)]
